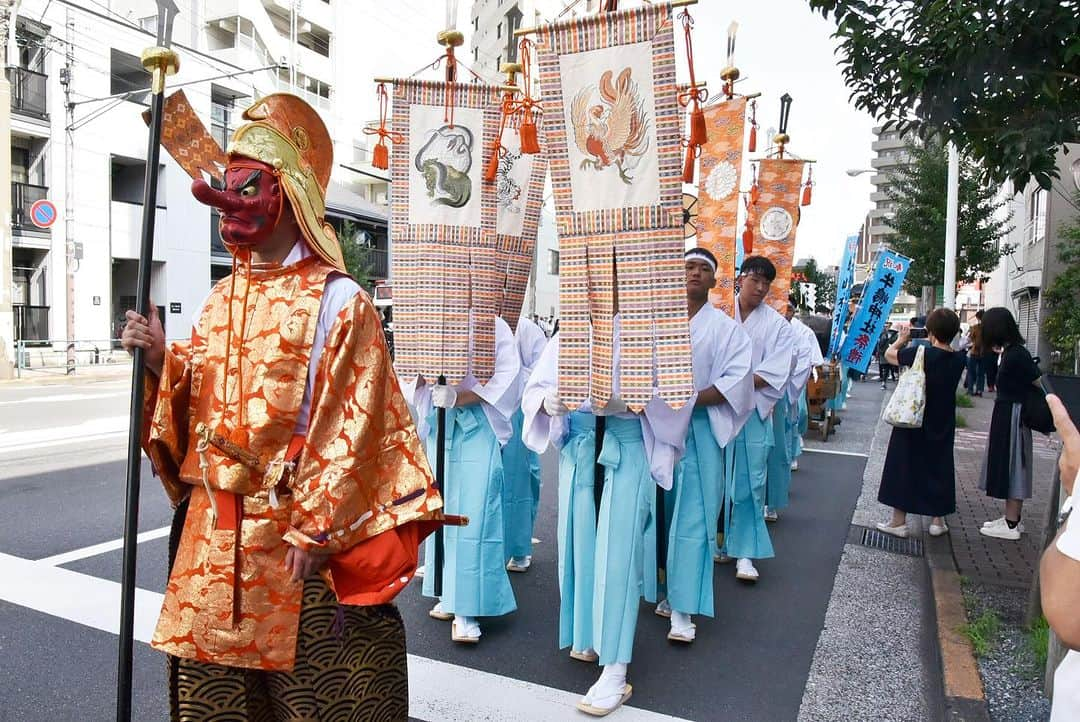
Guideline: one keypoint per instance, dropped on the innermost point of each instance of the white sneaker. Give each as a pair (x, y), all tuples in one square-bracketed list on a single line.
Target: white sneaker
[(609, 692), (519, 564), (939, 530), (682, 628), (663, 609), (770, 514), (795, 465), (897, 531), (744, 570), (1001, 531), (1000, 521)]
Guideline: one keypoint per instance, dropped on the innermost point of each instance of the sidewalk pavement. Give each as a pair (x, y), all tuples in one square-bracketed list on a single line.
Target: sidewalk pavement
[(83, 374), (981, 558)]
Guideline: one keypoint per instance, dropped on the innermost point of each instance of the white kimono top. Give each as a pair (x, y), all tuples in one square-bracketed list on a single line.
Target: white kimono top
[(531, 341), (663, 429), (806, 357), (773, 343), (723, 354)]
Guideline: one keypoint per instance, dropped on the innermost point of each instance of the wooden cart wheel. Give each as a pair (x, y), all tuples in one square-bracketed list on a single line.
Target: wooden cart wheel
[(826, 427)]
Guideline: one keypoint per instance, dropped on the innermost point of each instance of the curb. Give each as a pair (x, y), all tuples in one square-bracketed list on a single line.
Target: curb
[(112, 372), (965, 697)]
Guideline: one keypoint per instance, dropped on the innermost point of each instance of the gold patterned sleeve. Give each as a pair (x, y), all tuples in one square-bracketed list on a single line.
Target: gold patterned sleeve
[(165, 419), (363, 470)]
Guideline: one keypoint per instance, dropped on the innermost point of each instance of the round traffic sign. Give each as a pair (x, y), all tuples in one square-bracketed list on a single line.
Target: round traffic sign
[(43, 213)]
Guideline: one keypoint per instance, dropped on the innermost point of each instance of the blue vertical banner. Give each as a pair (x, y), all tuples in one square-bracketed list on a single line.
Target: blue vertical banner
[(845, 279), (878, 296)]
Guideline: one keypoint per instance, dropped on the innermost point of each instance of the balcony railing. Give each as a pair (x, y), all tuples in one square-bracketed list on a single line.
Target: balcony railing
[(28, 92), (23, 196), (31, 322)]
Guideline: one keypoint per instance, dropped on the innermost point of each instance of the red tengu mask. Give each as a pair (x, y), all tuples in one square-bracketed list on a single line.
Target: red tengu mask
[(250, 204)]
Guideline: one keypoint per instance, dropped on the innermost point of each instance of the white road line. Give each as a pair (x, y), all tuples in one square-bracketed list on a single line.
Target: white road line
[(90, 430), (835, 453), (67, 398), (434, 694), (92, 551)]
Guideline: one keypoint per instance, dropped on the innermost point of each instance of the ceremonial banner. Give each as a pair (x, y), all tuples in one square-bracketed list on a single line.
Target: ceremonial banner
[(443, 228), (845, 279), (774, 219), (718, 194), (613, 132), (519, 195), (879, 293)]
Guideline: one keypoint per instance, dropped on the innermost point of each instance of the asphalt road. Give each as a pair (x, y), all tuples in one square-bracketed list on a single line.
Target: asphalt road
[(61, 495)]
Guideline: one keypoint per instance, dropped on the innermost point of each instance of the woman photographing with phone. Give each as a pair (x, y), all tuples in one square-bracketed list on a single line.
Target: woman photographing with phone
[(1007, 470)]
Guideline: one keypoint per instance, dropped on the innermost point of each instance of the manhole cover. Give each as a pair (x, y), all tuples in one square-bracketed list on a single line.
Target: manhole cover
[(887, 542)]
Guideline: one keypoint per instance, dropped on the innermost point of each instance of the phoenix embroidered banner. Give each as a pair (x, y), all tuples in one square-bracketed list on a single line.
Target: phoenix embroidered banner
[(774, 218), (718, 194), (844, 281), (519, 195), (879, 293), (443, 227), (613, 134)]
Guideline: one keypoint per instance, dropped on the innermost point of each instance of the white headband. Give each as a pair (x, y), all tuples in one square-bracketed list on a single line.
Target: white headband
[(697, 255)]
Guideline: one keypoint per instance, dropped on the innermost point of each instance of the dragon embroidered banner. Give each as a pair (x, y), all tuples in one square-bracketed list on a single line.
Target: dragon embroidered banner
[(613, 134), (774, 218), (443, 227), (519, 195), (718, 194)]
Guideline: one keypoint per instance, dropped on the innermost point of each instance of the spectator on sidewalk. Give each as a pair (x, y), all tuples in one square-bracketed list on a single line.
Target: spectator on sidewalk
[(990, 359), (886, 369), (976, 371), (919, 475), (1006, 472), (1059, 575)]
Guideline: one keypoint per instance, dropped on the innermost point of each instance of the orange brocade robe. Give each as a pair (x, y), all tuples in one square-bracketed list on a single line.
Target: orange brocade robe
[(362, 489)]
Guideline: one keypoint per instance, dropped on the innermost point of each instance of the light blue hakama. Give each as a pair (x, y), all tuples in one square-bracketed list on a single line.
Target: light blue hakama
[(601, 562), (692, 508), (521, 492), (745, 533), (475, 581), (801, 427), (778, 480)]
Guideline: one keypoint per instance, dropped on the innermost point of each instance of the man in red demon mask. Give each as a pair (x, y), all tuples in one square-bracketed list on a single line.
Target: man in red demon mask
[(281, 436)]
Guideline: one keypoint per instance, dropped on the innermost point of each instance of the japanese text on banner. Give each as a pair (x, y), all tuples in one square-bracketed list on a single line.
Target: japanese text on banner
[(845, 280), (878, 296)]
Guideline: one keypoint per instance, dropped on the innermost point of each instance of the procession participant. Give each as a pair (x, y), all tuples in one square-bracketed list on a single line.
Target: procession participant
[(475, 582), (745, 535), (800, 408), (521, 465), (722, 355), (600, 555), (281, 436)]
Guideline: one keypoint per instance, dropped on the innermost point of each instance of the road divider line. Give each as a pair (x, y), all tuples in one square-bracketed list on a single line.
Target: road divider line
[(103, 548), (435, 694), (807, 450)]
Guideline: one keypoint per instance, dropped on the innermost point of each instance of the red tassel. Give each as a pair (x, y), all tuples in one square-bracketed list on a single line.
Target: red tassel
[(380, 157), (755, 194), (747, 239), (806, 194), (529, 141), (698, 134), (492, 168), (688, 165), (752, 147)]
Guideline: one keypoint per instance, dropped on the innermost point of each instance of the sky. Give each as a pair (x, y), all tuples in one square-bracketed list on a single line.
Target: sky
[(781, 47)]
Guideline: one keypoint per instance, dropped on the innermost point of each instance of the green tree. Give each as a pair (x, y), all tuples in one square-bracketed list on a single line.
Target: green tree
[(356, 247), (1001, 80), (1062, 325), (919, 190)]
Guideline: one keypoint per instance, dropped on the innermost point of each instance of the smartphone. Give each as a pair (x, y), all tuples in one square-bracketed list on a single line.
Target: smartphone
[(917, 333), (1045, 384)]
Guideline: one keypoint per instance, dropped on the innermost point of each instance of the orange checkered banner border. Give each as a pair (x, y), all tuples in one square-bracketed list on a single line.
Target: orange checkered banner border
[(718, 194), (774, 219), (613, 133), (519, 195), (443, 229)]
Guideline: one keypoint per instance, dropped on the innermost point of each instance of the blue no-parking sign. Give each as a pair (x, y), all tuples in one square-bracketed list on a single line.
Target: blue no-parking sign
[(43, 213)]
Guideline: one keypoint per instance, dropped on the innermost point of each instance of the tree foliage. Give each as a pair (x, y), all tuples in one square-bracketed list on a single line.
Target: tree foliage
[(825, 293), (356, 248), (919, 190), (999, 79), (1062, 325)]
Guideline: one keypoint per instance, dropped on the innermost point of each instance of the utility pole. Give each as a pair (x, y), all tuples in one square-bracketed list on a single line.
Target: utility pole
[(952, 207), (69, 192), (8, 9), (294, 8)]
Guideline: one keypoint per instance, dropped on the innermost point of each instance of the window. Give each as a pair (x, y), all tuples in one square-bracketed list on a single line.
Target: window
[(553, 263), (127, 181), (476, 55), (222, 109), (126, 75), (1037, 216), (498, 30)]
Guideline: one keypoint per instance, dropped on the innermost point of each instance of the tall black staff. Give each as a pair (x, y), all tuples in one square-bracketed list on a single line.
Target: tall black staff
[(440, 484), (160, 61), (598, 468)]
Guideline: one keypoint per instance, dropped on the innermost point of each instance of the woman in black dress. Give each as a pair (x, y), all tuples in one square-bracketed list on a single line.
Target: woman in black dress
[(919, 476), (1006, 472)]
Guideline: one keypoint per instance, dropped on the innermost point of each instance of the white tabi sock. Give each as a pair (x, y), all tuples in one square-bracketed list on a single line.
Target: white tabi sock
[(608, 690), (682, 625)]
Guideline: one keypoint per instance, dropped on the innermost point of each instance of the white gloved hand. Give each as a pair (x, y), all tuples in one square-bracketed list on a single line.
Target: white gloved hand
[(554, 406), (614, 406), (443, 397)]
